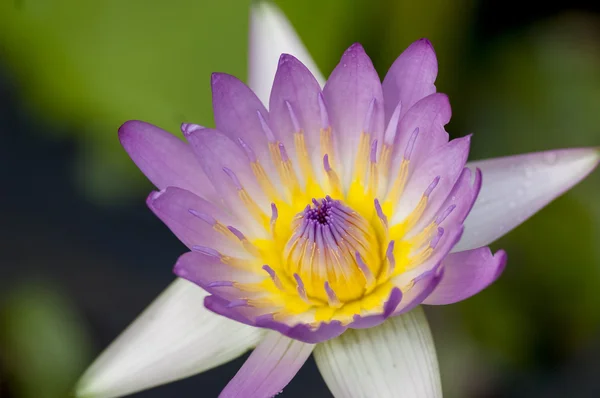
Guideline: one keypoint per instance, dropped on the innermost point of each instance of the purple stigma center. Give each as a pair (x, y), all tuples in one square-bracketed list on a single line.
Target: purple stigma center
[(322, 212)]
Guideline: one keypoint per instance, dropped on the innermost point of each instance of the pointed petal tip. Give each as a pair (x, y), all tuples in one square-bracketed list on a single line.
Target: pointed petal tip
[(130, 127), (286, 58), (188, 128), (425, 42), (502, 259), (180, 270), (174, 338), (355, 50), (153, 196), (216, 78), (516, 187)]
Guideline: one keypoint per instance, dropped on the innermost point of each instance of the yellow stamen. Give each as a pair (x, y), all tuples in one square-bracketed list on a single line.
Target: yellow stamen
[(327, 145), (362, 157), (398, 187), (373, 179), (264, 181), (253, 208), (303, 156)]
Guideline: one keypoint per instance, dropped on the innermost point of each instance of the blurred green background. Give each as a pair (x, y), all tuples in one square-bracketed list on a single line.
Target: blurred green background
[(81, 256)]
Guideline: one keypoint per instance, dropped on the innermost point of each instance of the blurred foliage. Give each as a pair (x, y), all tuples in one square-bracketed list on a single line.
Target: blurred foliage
[(92, 65), (95, 64), (533, 90), (43, 346)]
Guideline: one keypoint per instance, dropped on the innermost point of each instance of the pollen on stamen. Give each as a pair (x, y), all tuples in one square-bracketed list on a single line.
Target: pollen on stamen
[(283, 153), (436, 239), (274, 216), (206, 250), (373, 173), (392, 127), (389, 254), (332, 298), (300, 288), (220, 284), (238, 303), (293, 117), (265, 127), (373, 153), (238, 234), (411, 144), (233, 178), (323, 112), (365, 270), (445, 214), (273, 276), (250, 248), (380, 213), (203, 216), (326, 164), (368, 123), (432, 186), (334, 180), (249, 152)]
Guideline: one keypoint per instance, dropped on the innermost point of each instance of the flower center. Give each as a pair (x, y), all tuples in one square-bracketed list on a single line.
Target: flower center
[(333, 253)]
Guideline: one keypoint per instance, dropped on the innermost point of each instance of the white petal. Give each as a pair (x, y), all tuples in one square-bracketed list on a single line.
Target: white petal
[(516, 187), (175, 337), (271, 35), (394, 359)]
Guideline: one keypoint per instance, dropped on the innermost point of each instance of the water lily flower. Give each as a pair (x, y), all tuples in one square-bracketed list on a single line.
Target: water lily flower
[(319, 217)]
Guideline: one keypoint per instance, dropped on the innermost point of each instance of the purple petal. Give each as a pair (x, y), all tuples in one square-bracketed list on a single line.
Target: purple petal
[(164, 158), (294, 104), (424, 285), (271, 35), (447, 163), (450, 237), (411, 77), (213, 276), (349, 93), (228, 168), (466, 274), (304, 332), (429, 115), (516, 187), (185, 214), (270, 367), (220, 306), (236, 109)]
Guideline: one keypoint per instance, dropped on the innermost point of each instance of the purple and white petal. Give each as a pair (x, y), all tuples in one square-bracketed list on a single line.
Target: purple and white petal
[(396, 358), (466, 274), (271, 35), (442, 168), (354, 103), (240, 115), (420, 132), (174, 338), (294, 107), (165, 159), (270, 368), (205, 268), (410, 78), (192, 220), (516, 187), (227, 167)]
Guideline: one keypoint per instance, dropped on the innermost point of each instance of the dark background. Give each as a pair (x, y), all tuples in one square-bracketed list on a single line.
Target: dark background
[(81, 255)]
